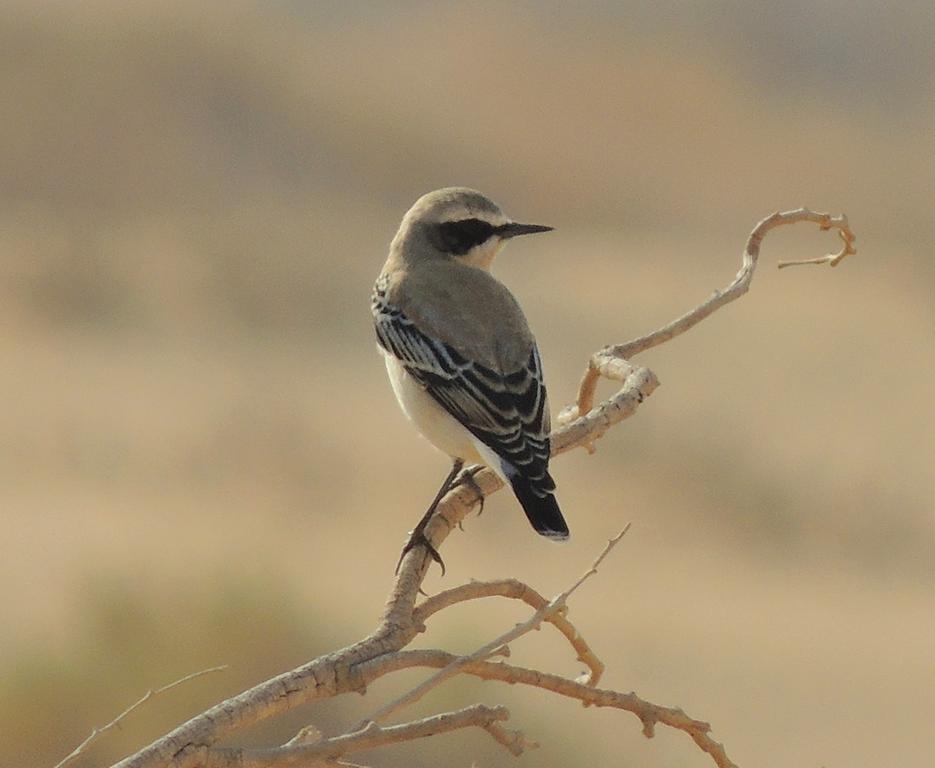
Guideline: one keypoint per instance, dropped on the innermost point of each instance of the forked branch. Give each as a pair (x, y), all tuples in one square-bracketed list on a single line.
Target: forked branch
[(516, 590), (552, 608), (371, 736), (382, 652), (649, 714)]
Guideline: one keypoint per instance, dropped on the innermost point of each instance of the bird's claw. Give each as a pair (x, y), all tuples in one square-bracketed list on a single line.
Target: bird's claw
[(418, 539), (467, 478)]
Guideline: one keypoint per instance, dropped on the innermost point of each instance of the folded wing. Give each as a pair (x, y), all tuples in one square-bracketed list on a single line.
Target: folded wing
[(507, 411)]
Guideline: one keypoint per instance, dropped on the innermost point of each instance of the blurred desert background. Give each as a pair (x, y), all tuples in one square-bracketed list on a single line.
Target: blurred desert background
[(201, 461)]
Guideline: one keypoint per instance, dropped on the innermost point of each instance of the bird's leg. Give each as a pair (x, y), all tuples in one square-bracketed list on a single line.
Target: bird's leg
[(467, 478), (417, 537)]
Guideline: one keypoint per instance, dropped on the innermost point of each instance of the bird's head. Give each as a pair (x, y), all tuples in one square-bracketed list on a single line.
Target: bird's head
[(457, 223)]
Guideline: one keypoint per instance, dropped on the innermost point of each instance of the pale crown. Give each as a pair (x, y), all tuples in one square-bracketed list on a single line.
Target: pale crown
[(455, 223)]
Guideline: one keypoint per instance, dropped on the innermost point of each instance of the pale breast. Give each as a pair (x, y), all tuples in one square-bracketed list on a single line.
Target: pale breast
[(439, 427)]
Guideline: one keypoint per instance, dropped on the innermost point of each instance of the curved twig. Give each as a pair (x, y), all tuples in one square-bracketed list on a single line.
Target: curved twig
[(649, 714), (608, 360), (369, 737), (552, 608), (515, 590), (117, 721)]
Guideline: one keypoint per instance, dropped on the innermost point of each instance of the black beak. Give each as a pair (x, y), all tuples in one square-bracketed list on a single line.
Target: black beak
[(512, 229)]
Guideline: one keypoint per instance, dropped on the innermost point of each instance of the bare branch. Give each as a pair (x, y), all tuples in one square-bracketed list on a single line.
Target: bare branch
[(648, 713), (608, 548), (515, 590), (369, 737), (514, 741), (554, 606), (607, 361), (844, 232), (115, 723), (308, 734)]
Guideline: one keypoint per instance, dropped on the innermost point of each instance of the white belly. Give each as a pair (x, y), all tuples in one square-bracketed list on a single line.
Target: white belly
[(439, 427)]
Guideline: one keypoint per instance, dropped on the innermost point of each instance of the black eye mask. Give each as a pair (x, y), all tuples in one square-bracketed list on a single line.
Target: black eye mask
[(458, 237)]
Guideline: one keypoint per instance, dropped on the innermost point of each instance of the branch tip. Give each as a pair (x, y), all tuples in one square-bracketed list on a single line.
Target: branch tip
[(825, 222)]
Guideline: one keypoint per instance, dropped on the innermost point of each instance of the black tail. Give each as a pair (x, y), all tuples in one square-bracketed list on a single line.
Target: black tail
[(540, 505)]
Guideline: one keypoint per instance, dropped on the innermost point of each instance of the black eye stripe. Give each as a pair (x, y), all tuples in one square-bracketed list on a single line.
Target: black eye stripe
[(459, 237)]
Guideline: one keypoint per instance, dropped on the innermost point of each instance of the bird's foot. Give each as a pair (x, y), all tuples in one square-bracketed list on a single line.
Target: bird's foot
[(467, 478), (418, 539)]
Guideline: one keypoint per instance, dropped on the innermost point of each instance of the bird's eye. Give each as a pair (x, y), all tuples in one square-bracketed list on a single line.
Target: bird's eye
[(459, 237)]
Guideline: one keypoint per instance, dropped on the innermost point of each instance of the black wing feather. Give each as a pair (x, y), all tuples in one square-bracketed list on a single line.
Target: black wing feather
[(507, 412)]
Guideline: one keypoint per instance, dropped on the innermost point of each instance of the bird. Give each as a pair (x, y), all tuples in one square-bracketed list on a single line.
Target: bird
[(461, 359)]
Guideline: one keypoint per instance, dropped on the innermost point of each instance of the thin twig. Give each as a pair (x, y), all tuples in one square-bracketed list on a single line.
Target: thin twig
[(515, 590), (555, 605), (604, 361), (77, 751), (649, 714), (369, 737), (514, 741), (847, 249)]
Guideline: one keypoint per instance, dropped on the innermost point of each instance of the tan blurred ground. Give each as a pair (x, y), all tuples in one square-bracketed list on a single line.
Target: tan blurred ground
[(196, 427)]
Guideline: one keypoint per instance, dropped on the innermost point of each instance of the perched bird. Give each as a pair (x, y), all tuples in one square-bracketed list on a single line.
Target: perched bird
[(460, 357)]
